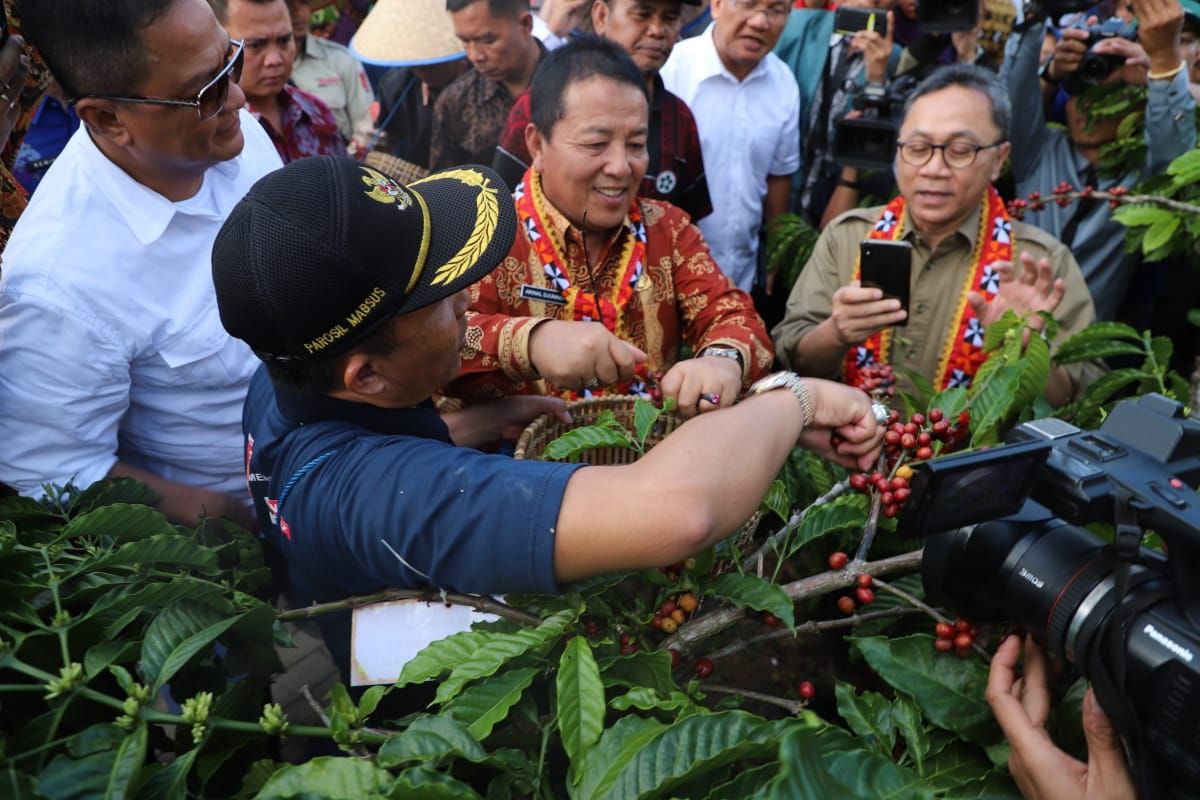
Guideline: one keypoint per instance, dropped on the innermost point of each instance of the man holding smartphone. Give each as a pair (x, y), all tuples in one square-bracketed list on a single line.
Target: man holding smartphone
[(970, 261)]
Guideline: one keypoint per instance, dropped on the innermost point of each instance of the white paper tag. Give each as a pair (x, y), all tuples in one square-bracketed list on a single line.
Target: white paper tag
[(386, 636)]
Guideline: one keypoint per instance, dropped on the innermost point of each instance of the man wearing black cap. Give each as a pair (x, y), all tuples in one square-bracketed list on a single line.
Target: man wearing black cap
[(351, 289)]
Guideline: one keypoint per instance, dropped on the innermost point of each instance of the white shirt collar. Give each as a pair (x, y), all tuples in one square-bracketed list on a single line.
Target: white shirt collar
[(145, 211)]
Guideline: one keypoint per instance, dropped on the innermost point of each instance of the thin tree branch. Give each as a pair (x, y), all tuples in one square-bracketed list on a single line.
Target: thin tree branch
[(794, 707), (813, 627), (815, 586), (837, 490), (478, 602)]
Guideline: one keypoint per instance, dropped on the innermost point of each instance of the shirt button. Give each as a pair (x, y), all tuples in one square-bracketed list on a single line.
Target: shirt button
[(920, 308)]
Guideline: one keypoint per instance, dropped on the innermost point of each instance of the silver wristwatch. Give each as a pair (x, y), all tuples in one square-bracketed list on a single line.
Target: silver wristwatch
[(793, 383), (723, 352)]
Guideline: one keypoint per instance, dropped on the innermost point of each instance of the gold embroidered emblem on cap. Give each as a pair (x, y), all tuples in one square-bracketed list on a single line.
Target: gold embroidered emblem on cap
[(384, 189), (487, 216)]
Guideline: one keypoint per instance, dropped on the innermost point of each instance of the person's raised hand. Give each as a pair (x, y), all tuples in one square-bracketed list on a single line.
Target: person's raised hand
[(1041, 770), (1159, 25), (581, 355), (1137, 62), (846, 411), (1035, 289), (702, 384), (860, 311), (876, 50)]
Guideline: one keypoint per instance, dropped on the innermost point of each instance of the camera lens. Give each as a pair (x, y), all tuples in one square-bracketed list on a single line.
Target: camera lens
[(1030, 567)]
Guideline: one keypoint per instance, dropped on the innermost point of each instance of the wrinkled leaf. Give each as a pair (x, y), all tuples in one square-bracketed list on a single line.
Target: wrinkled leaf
[(848, 512), (482, 706), (178, 551), (119, 521), (645, 414), (831, 763), (751, 591), (648, 668), (580, 699), (949, 691), (617, 746), (869, 715), (777, 500), (442, 656), (176, 635), (430, 738), (330, 778), (1092, 351), (422, 783), (910, 724)]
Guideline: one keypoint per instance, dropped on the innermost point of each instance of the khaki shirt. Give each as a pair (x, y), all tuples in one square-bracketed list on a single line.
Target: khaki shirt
[(328, 70), (937, 279)]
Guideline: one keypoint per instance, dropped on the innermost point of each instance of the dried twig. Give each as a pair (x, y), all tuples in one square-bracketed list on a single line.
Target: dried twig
[(793, 707), (487, 605), (838, 489), (818, 585), (813, 627)]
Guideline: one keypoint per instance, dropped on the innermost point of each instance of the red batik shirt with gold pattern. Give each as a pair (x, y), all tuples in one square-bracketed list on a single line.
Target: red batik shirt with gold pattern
[(682, 296)]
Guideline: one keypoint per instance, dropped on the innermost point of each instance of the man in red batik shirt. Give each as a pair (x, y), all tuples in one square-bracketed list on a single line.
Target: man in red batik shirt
[(601, 288)]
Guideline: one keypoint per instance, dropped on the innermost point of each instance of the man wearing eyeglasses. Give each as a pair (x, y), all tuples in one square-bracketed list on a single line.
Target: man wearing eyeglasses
[(970, 261), (113, 361), (747, 108), (299, 123)]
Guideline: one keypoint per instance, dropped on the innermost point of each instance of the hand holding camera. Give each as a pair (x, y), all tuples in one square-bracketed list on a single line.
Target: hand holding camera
[(876, 48), (1040, 769)]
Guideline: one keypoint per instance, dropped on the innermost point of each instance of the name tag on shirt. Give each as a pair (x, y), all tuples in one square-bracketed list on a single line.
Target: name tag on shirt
[(531, 292), (386, 636)]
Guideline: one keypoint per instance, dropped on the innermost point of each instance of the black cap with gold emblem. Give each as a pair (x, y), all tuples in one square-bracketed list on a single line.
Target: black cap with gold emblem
[(320, 253)]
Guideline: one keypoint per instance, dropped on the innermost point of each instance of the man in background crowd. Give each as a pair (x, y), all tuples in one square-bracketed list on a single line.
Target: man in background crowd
[(648, 30), (298, 123), (414, 41), (971, 261), (747, 108), (113, 360), (470, 112), (327, 70), (51, 127), (1044, 157)]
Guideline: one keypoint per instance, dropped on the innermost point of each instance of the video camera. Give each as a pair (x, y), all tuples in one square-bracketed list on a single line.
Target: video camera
[(1007, 544), (869, 141), (1095, 67)]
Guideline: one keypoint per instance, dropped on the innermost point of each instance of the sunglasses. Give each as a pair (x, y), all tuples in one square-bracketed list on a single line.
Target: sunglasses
[(209, 100)]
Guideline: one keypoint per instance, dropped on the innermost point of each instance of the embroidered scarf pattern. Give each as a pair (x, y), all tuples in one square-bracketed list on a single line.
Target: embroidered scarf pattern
[(585, 304), (962, 353)]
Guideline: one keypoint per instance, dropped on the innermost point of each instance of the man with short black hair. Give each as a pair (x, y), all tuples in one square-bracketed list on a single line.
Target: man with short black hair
[(603, 288), (299, 123), (112, 358), (648, 30), (470, 112), (970, 260), (358, 481)]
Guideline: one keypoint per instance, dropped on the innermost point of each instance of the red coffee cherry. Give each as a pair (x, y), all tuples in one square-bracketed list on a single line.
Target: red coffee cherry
[(846, 604), (865, 581), (865, 596), (807, 690), (770, 620), (703, 668), (838, 560), (944, 630), (963, 641), (943, 645)]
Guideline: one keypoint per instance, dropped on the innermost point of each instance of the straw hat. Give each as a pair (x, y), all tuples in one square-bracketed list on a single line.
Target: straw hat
[(402, 33)]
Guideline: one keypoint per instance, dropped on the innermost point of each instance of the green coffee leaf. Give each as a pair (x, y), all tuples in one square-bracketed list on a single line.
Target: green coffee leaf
[(590, 437), (751, 591), (330, 778), (645, 414), (1092, 351), (580, 699), (176, 635), (482, 706), (777, 500), (832, 763), (869, 715), (430, 739), (442, 656), (618, 746), (119, 521), (848, 512), (949, 691)]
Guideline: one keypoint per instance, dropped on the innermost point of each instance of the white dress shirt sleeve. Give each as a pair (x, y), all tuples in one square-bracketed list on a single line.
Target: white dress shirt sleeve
[(64, 388), (787, 152)]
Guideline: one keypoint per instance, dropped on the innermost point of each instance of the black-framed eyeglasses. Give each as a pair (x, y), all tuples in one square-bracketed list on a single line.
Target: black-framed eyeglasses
[(957, 154), (209, 100)]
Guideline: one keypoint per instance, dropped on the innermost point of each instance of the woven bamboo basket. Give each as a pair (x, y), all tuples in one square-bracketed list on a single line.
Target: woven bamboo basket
[(546, 428)]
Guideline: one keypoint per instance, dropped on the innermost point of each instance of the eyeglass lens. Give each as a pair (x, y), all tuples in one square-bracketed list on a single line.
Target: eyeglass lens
[(212, 97)]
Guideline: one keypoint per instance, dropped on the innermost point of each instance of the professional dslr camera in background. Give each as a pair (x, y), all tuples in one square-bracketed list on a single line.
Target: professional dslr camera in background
[(1005, 542)]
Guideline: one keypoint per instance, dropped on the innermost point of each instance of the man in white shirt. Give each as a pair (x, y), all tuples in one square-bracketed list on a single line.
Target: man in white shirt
[(113, 360), (747, 108)]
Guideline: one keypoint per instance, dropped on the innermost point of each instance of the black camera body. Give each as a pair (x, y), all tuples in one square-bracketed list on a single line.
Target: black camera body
[(869, 141), (1096, 67), (1007, 545)]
